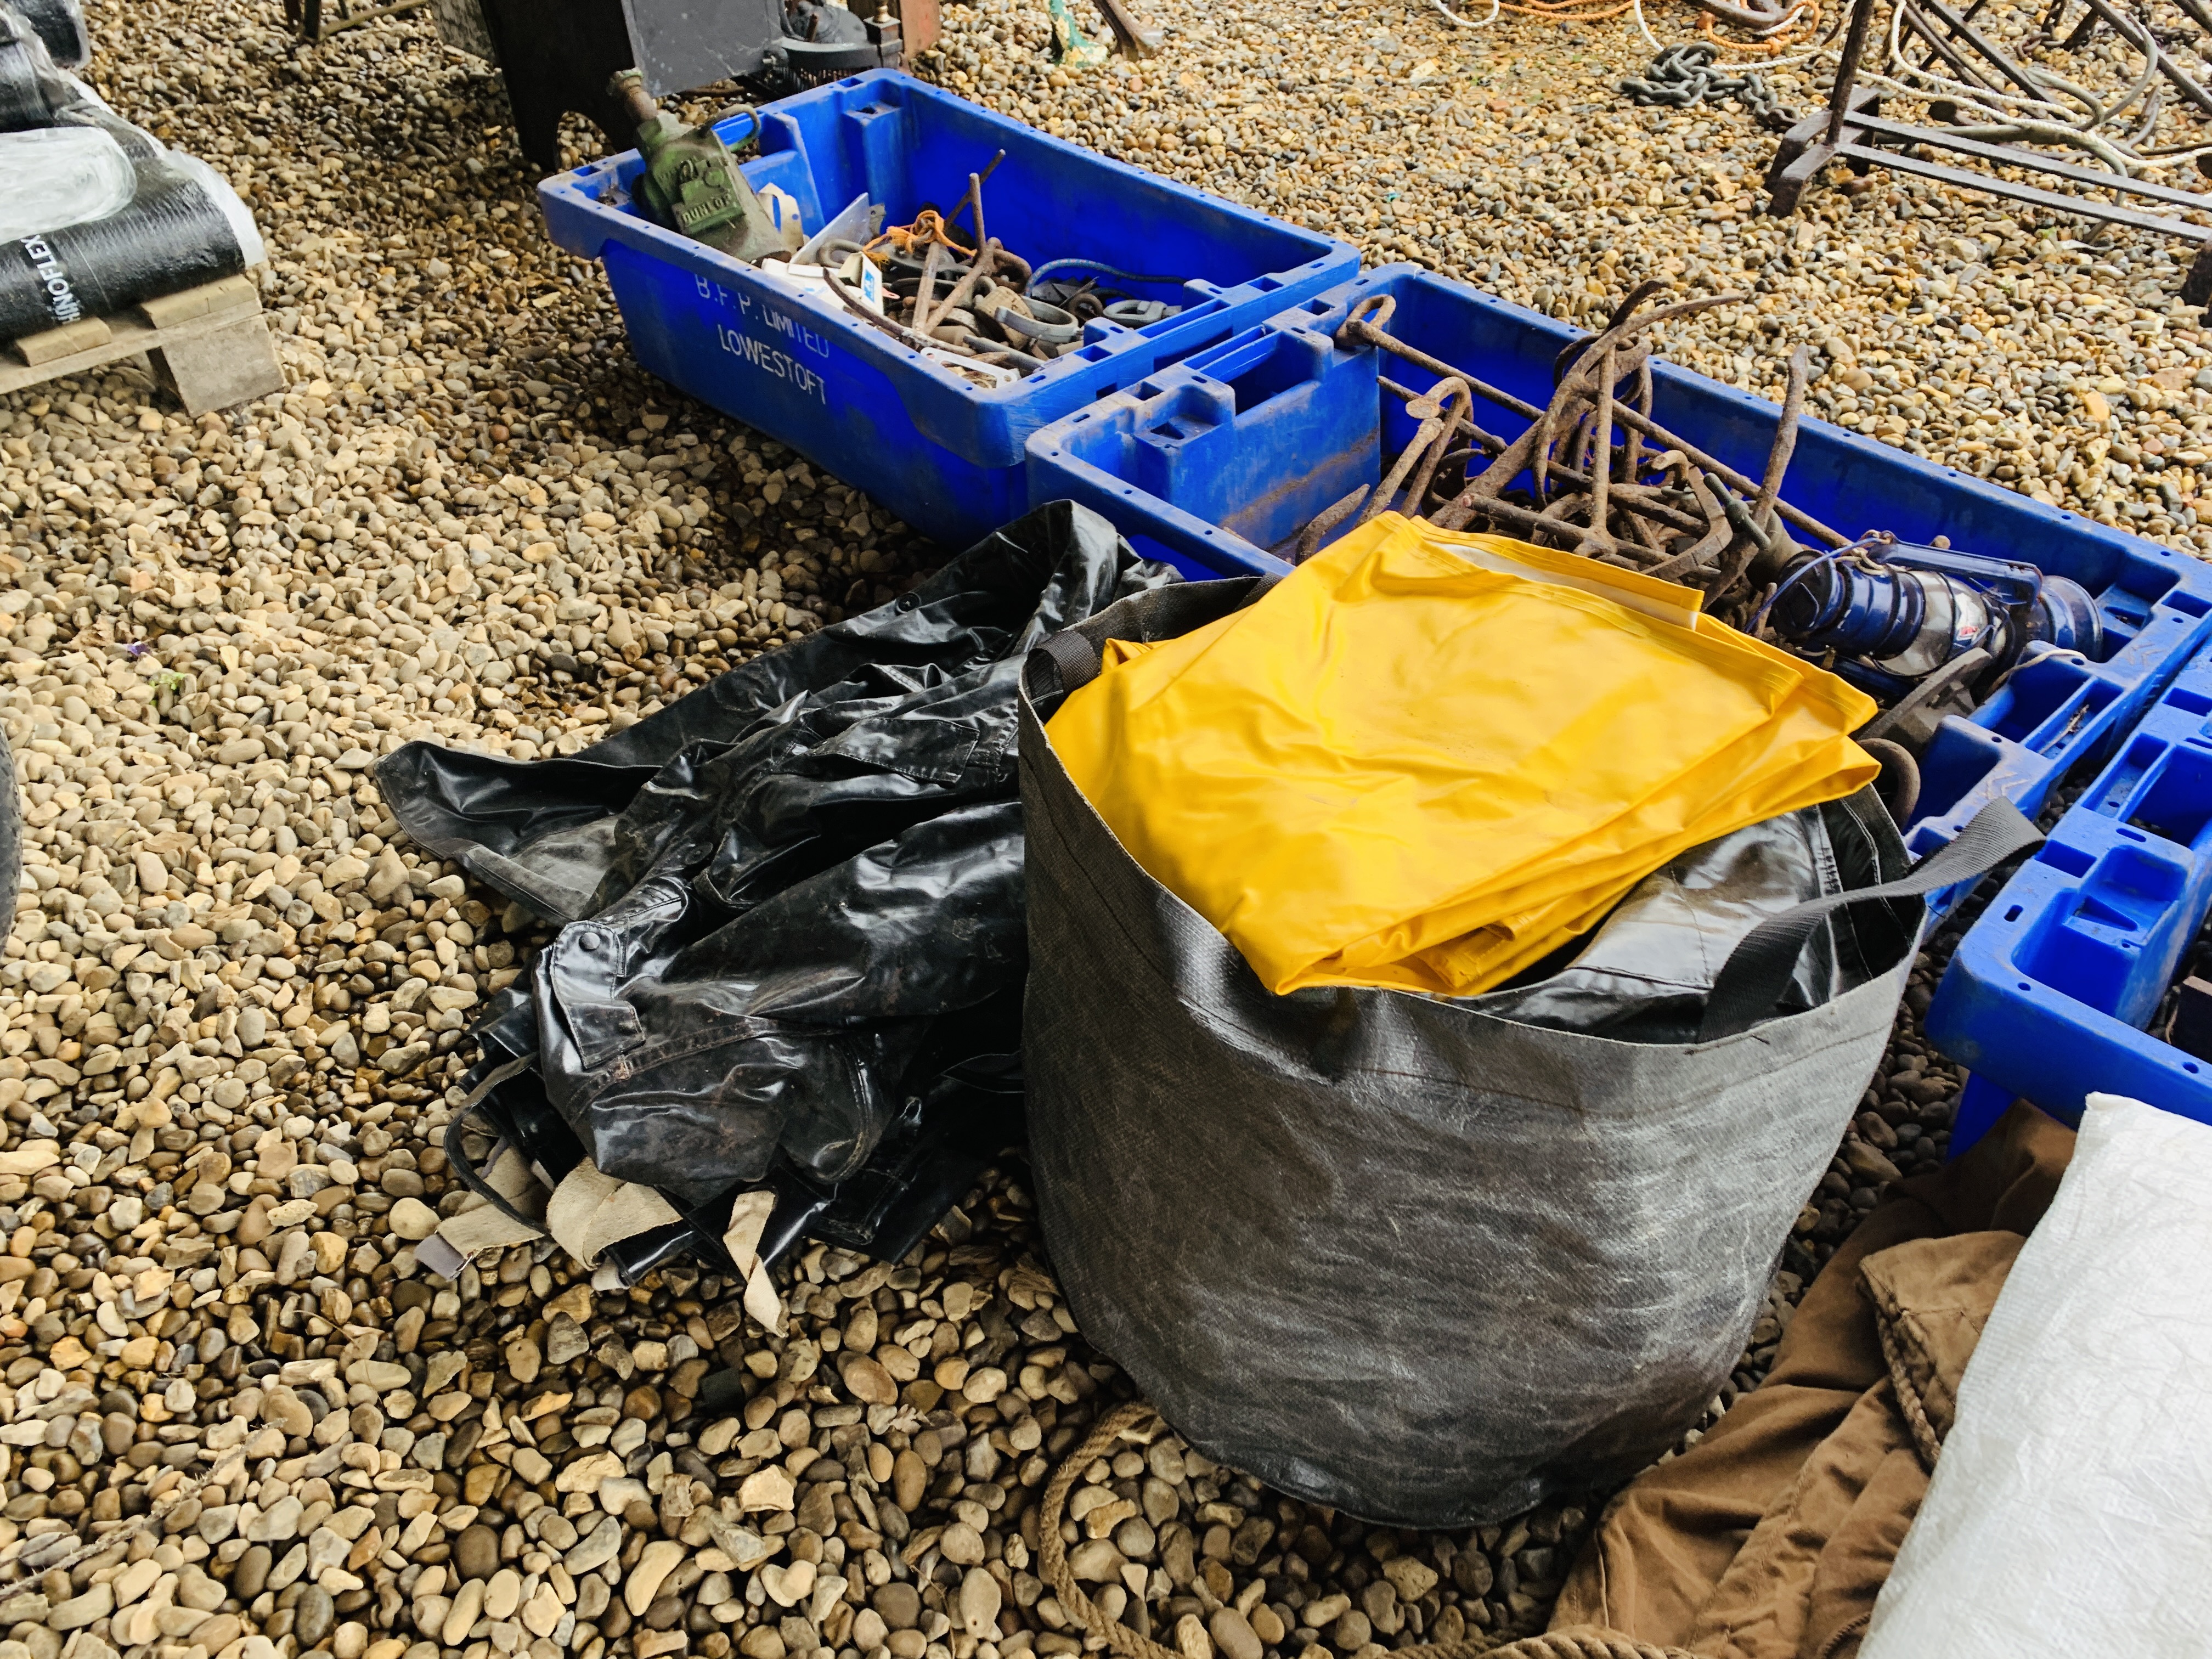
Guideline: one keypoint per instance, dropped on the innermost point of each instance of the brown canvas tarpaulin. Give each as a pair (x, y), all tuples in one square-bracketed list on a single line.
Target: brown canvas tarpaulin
[(1771, 1537)]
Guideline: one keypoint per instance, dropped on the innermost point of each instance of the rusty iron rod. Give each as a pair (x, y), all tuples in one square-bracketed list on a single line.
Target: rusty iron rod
[(1600, 466), (1785, 435), (932, 262), (1453, 418), (1310, 538), (1489, 440)]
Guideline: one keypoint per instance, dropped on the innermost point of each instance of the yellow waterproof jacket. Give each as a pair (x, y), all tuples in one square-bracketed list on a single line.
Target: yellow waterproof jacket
[(1425, 760)]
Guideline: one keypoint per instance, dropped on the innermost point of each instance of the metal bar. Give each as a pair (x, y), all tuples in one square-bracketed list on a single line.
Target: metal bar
[(1642, 532), (2087, 206), (1646, 500), (1636, 498), (1971, 11), (1785, 433), (976, 183), (2172, 70), (1657, 433), (1361, 329), (1601, 467), (1124, 25), (1640, 500), (1489, 441), (1961, 29), (1452, 413), (1517, 455), (1523, 518), (1802, 152), (1547, 431), (2006, 155), (1847, 70), (1939, 47), (1426, 434), (1631, 460), (1310, 538), (924, 296), (1634, 419)]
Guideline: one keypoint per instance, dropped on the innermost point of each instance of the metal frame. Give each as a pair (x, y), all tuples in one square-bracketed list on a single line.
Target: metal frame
[(1852, 130), (306, 17)]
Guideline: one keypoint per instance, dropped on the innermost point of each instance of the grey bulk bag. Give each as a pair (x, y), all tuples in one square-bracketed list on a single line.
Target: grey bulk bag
[(1408, 1257)]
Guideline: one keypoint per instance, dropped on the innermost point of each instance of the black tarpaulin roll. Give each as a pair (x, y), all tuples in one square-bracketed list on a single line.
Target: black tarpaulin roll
[(794, 898), (33, 92), (182, 226), (173, 235), (59, 25)]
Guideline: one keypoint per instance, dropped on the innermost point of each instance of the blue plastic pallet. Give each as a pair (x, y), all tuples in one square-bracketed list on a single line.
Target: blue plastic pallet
[(2047, 995), (1211, 462), (943, 453)]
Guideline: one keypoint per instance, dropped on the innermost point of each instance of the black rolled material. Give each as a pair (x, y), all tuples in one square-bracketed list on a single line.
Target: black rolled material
[(172, 236)]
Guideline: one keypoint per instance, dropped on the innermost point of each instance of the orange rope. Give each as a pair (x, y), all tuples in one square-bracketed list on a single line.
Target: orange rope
[(929, 227), (1804, 28), (1565, 11), (1801, 29)]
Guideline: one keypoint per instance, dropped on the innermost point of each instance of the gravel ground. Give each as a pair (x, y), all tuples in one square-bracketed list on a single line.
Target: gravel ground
[(2037, 351), (237, 1420)]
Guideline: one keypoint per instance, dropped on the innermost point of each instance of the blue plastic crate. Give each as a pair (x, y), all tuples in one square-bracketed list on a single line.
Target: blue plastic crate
[(1214, 461), (1210, 461), (943, 453), (2047, 995)]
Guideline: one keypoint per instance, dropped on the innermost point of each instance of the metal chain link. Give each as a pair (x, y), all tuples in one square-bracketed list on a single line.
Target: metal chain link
[(1684, 76)]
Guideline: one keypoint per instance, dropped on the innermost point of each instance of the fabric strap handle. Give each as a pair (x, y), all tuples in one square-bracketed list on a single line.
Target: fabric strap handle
[(478, 1180), (1072, 655), (1751, 982)]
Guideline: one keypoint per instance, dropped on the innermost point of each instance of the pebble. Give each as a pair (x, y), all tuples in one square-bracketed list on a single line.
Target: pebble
[(1233, 1634), (980, 1601), (461, 1616), (503, 1595), (909, 1477), (476, 1552), (899, 1604), (652, 1568), (313, 1616)]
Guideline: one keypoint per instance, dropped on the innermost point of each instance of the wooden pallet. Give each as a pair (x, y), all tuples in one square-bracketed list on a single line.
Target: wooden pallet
[(210, 343)]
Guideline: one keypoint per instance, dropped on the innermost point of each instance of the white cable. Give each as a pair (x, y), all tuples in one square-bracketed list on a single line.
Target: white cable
[(1768, 65), (2160, 163), (2011, 109), (1642, 27), (1968, 102), (1787, 18), (1457, 21), (1982, 97)]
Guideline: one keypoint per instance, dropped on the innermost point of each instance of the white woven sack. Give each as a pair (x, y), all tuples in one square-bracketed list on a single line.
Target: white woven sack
[(2068, 1514)]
